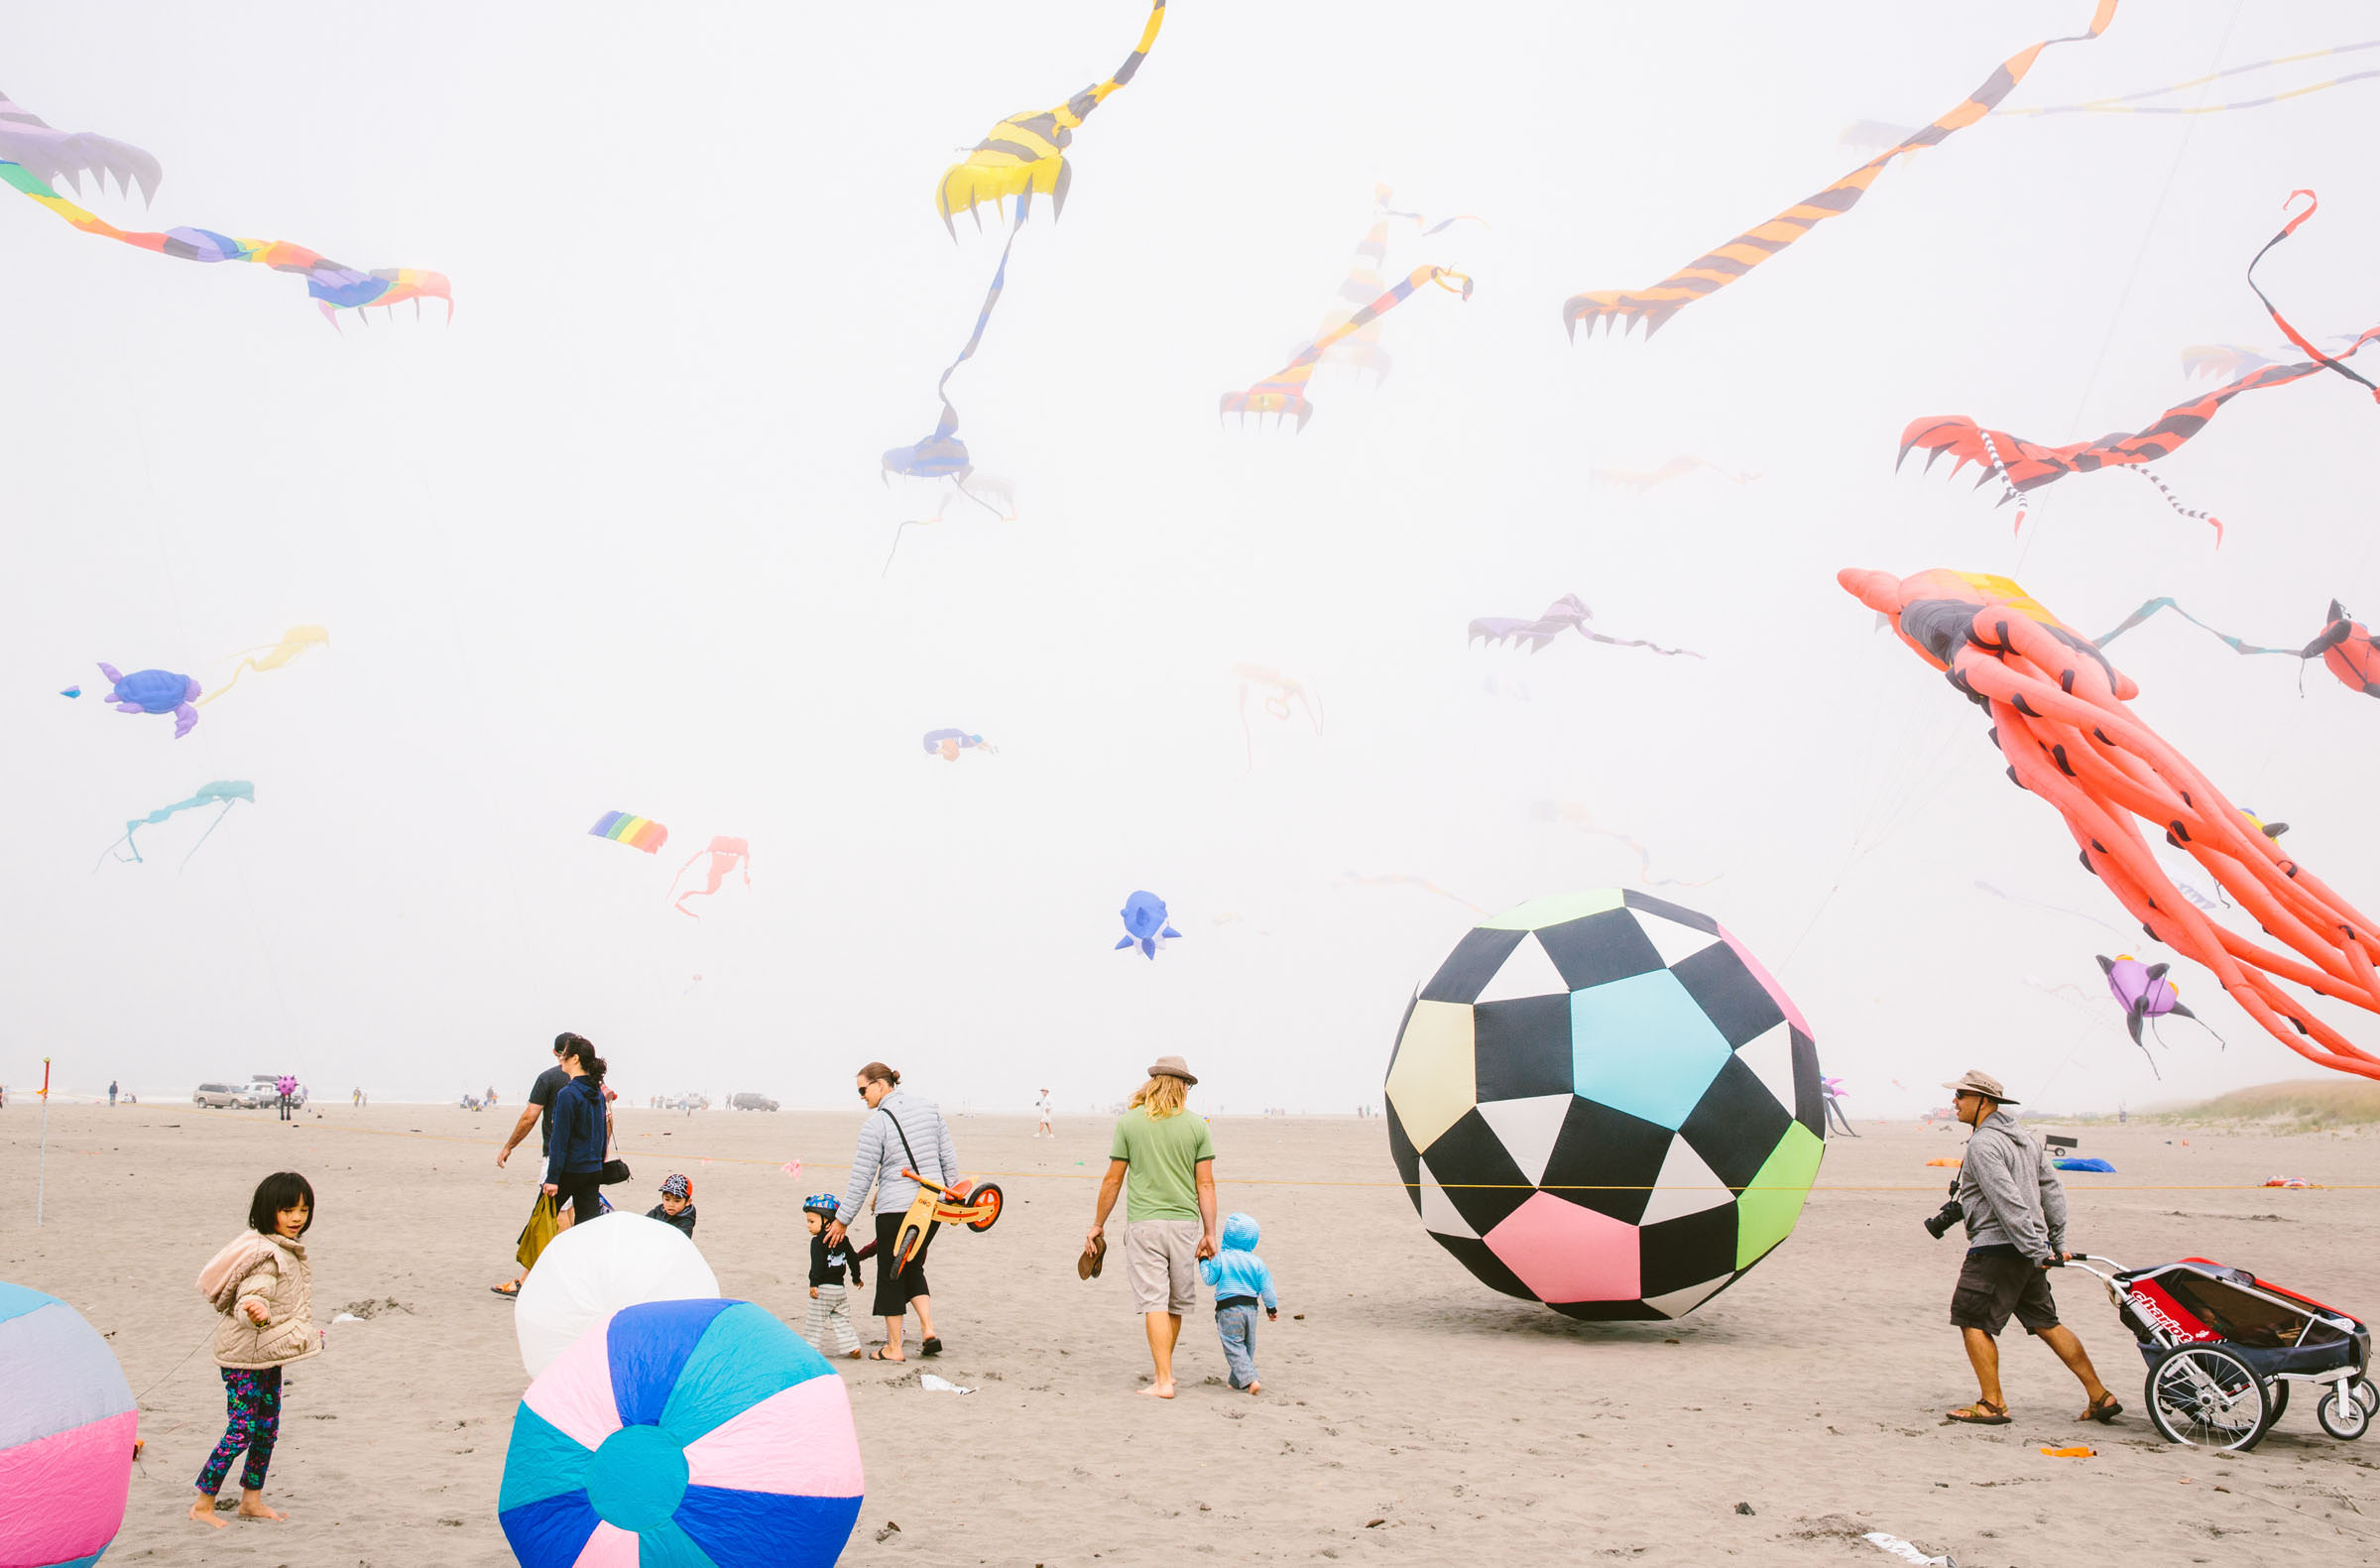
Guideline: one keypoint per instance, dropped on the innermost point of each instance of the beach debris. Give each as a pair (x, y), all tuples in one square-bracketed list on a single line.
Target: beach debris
[(346, 1317), (1740, 1508), (1906, 1552), (890, 1529), (934, 1384), (363, 1311), (1538, 1078), (2293, 1183), (755, 1408), (2079, 1451)]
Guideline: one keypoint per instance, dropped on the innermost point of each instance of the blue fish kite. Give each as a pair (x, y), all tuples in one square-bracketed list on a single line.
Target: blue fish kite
[(155, 692), (1144, 923)]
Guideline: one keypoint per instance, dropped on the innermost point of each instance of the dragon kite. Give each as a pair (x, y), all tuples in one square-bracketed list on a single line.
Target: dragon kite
[(2022, 465), (2344, 645), (1027, 152), (1283, 392), (1566, 614), (1708, 274), (33, 155), (2060, 717)]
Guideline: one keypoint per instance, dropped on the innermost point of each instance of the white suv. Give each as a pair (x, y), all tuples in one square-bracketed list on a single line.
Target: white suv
[(266, 1094)]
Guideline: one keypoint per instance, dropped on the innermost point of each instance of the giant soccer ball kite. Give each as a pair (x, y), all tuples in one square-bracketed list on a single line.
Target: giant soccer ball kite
[(1602, 1101)]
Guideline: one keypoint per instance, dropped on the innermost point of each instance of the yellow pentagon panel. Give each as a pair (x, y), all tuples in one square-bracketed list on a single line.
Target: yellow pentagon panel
[(1433, 1082)]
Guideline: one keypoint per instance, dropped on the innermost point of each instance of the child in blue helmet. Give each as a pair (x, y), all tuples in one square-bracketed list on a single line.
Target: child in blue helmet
[(829, 1297), (1241, 1283)]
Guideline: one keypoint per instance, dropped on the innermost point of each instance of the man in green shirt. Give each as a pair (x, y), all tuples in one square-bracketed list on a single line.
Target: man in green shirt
[(1169, 1216)]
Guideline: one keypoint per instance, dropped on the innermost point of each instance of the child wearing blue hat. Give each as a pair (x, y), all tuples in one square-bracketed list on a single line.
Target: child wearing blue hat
[(1241, 1283), (830, 1301)]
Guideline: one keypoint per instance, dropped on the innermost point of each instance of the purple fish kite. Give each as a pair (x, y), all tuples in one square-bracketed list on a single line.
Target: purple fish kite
[(2145, 993)]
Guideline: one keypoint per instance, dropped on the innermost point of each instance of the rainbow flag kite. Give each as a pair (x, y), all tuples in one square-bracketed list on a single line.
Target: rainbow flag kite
[(636, 833)]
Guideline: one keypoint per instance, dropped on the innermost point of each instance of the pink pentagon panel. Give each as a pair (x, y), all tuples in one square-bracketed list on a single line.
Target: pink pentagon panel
[(1768, 983), (574, 1391), (797, 1442), (62, 1497), (1565, 1252), (608, 1547)]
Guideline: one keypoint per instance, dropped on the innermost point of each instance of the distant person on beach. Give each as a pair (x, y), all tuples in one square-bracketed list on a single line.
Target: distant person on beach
[(2015, 1212), (574, 1154), (1241, 1284), (111, 1091), (1169, 1216), (263, 1287), (830, 1300), (1043, 1105), (677, 1204), (901, 1133)]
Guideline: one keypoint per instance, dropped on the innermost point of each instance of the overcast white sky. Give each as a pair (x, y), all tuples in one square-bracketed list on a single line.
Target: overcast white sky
[(613, 539)]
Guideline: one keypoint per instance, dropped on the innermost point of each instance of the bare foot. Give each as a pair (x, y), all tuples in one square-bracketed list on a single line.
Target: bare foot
[(1158, 1391), (255, 1509), (203, 1511), (1256, 1387)]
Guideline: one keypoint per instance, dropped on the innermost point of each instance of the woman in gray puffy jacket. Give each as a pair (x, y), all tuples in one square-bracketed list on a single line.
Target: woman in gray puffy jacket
[(264, 1288)]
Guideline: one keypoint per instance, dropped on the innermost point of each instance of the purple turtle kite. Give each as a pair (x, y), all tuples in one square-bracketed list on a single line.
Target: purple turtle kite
[(155, 692), (2145, 993)]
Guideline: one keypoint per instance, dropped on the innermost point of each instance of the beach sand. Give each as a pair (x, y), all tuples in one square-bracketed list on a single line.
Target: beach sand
[(1411, 1416)]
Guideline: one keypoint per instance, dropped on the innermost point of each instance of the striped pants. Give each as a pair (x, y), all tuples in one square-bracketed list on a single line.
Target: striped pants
[(832, 1304)]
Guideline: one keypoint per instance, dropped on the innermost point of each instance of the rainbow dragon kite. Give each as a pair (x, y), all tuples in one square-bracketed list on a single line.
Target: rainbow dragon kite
[(32, 154)]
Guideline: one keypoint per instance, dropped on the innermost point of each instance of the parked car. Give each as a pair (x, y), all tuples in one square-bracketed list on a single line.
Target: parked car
[(220, 1096), (267, 1088), (750, 1102)]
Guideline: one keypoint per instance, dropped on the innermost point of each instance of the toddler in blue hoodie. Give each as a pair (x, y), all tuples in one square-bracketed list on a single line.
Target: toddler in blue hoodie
[(1241, 1283)]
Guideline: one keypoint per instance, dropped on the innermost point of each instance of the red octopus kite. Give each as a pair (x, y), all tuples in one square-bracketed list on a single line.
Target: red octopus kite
[(2060, 718)]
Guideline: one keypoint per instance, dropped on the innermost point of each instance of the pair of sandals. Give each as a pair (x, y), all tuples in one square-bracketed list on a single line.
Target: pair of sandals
[(931, 1344), (2104, 1409)]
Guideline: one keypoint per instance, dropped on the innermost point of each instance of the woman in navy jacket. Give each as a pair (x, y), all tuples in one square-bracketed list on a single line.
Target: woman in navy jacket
[(574, 1156)]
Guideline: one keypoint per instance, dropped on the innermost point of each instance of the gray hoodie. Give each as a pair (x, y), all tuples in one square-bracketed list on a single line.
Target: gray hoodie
[(2011, 1191)]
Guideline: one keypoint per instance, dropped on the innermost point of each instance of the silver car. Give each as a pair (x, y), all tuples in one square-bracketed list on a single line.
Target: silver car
[(220, 1096)]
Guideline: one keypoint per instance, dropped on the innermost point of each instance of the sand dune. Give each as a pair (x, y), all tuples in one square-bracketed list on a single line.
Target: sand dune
[(1411, 1416)]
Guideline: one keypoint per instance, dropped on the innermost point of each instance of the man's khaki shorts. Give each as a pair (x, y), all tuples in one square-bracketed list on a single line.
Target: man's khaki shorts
[(1160, 1259), (1994, 1286)]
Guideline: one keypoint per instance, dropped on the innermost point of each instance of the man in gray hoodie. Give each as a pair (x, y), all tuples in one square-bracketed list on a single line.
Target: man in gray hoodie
[(2015, 1233)]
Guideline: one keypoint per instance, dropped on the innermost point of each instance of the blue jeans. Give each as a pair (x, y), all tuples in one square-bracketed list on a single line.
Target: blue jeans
[(1238, 1326)]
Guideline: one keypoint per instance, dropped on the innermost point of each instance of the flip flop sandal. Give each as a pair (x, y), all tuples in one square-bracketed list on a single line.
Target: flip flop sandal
[(1094, 1257), (931, 1347), (2104, 1409), (1981, 1413), (877, 1353), (511, 1292)]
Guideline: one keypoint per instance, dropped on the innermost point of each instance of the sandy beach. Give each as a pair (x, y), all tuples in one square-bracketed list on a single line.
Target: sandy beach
[(1409, 1414)]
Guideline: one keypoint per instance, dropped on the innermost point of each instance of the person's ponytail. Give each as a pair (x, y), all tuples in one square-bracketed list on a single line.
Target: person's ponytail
[(582, 1050)]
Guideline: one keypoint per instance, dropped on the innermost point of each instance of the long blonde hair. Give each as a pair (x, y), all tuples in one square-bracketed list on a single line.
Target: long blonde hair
[(1162, 1097)]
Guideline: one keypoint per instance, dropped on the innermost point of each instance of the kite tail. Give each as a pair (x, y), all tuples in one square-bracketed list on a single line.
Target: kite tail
[(2175, 502), (2000, 472), (1132, 62), (209, 833), (240, 669), (2313, 203)]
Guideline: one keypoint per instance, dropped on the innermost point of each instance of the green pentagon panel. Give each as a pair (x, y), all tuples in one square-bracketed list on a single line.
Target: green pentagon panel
[(1432, 1082), (1767, 1210), (1554, 909)]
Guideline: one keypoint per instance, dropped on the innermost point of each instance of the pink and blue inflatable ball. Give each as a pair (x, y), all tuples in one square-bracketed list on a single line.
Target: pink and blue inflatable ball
[(67, 1429), (682, 1434)]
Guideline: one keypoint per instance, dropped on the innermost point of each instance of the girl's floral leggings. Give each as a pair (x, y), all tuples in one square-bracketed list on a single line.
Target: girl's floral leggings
[(252, 1404)]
